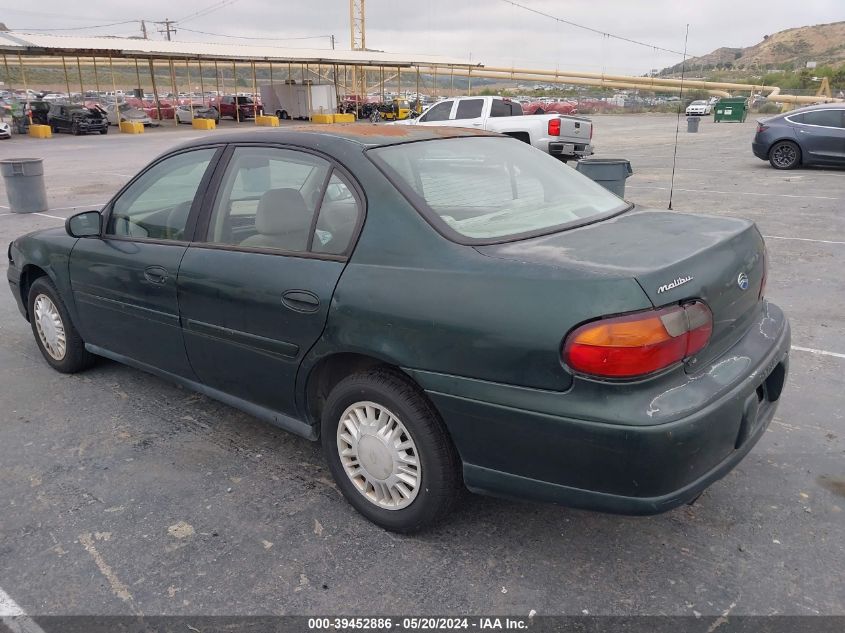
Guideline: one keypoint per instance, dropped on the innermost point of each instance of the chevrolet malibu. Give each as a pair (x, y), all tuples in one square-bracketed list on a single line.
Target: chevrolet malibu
[(442, 308)]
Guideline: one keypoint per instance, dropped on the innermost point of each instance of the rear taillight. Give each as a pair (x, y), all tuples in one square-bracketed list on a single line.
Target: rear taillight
[(761, 128), (765, 273), (639, 344), (591, 131), (554, 127)]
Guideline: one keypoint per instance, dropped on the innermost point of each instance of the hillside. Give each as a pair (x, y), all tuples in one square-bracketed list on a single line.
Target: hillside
[(786, 50)]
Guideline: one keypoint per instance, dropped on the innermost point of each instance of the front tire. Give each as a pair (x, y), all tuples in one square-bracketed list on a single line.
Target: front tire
[(389, 451), (56, 337), (785, 155)]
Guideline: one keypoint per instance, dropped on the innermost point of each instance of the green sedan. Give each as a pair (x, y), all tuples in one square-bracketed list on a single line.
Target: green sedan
[(441, 308)]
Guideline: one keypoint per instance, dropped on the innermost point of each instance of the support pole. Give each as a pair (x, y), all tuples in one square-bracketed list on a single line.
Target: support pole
[(399, 82), (114, 90), (434, 88), (254, 94), (235, 92), (175, 100), (26, 89), (217, 79), (417, 106), (202, 81), (8, 74), (190, 93), (452, 88), (81, 87), (155, 89), (271, 73), (96, 77), (469, 85), (138, 79), (64, 66)]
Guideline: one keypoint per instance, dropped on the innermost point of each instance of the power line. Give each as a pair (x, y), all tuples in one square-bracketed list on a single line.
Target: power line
[(209, 9), (268, 39), (592, 30), (82, 28)]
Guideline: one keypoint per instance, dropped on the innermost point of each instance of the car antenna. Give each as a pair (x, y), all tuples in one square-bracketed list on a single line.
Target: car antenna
[(678, 121)]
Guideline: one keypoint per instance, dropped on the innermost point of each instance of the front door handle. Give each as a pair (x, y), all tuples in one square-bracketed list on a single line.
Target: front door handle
[(156, 274), (301, 301)]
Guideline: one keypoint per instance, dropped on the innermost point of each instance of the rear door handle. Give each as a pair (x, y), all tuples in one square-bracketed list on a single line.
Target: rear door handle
[(156, 274), (301, 301)]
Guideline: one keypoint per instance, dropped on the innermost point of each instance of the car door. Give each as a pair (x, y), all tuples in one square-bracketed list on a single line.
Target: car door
[(255, 294), (821, 134), (124, 282), (468, 114), (438, 114)]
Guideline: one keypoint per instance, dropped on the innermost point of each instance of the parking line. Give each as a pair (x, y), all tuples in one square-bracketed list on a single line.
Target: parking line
[(46, 215), (800, 239), (817, 352), (14, 618), (735, 193)]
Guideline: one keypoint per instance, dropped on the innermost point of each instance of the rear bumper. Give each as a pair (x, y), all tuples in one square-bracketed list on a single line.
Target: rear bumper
[(760, 150), (615, 467), (570, 149)]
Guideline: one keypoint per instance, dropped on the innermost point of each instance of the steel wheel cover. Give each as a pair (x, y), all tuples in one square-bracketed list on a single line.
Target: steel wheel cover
[(784, 155), (50, 328), (378, 455)]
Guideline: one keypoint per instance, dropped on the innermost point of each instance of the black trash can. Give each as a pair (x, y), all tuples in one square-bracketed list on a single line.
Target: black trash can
[(610, 173), (692, 123), (24, 180)]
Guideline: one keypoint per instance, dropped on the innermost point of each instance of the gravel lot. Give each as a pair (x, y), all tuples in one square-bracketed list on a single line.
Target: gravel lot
[(122, 494)]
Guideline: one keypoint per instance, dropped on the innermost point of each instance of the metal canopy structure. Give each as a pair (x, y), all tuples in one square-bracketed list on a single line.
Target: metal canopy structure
[(37, 44)]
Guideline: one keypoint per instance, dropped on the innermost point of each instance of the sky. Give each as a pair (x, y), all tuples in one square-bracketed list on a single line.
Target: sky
[(491, 32)]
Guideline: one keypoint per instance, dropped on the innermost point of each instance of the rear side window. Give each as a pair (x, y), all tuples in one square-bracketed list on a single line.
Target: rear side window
[(500, 108), (469, 108), (269, 198), (826, 118)]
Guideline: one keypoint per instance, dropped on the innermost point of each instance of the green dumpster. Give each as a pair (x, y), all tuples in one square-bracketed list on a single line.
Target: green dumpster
[(731, 109)]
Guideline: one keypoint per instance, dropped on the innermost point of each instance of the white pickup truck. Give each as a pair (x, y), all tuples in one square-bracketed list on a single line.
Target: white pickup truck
[(563, 136)]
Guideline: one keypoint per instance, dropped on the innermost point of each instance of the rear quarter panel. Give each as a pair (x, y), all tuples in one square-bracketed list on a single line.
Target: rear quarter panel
[(413, 298)]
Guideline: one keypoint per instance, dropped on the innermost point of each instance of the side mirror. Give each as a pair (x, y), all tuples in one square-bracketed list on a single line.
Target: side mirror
[(85, 224)]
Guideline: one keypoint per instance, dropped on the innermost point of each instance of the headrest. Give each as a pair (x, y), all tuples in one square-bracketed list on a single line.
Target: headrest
[(282, 211)]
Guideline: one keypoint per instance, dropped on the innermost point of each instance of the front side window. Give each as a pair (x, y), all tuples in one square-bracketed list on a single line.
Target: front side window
[(438, 112), (492, 188), (156, 206), (268, 199)]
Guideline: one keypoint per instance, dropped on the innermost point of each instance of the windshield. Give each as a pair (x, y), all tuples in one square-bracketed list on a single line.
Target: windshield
[(699, 103), (493, 188)]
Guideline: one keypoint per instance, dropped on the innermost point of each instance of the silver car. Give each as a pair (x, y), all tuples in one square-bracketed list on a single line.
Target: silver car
[(127, 113)]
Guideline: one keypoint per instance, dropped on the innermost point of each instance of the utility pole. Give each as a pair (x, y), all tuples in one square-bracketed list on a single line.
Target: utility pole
[(332, 36), (167, 28), (144, 28)]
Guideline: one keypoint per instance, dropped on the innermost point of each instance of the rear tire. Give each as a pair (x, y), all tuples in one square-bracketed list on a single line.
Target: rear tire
[(407, 475), (785, 155), (56, 337)]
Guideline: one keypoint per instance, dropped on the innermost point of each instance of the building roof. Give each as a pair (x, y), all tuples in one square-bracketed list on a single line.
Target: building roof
[(55, 45)]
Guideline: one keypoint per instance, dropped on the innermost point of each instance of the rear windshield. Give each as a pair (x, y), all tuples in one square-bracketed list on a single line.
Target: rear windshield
[(489, 189)]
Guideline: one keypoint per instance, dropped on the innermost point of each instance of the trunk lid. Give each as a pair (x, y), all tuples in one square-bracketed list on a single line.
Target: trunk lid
[(674, 257)]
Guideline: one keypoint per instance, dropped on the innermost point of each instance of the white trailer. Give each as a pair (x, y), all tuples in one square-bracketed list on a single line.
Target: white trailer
[(298, 101)]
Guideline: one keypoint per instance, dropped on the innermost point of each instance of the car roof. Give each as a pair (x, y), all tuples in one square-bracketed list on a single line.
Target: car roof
[(818, 106), (365, 134)]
